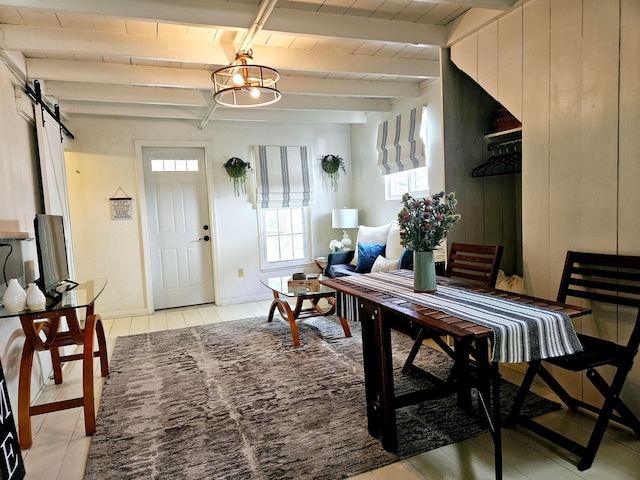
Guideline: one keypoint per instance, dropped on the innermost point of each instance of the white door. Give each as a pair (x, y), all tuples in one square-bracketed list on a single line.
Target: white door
[(178, 225)]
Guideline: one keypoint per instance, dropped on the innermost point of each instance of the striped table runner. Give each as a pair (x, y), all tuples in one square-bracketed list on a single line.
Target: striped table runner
[(521, 332)]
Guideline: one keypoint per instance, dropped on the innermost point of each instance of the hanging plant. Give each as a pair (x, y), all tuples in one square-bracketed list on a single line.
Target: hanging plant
[(332, 165), (237, 170)]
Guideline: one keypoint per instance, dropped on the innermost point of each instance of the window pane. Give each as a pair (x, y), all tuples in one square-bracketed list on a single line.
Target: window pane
[(399, 183), (192, 166), (285, 221), (297, 225), (271, 222), (421, 179), (286, 248), (169, 166), (273, 249), (298, 246), (157, 166)]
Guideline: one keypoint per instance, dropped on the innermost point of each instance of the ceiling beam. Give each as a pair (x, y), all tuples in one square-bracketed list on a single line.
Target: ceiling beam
[(56, 41), (102, 73), (110, 93), (102, 93), (305, 23), (239, 15), (196, 114)]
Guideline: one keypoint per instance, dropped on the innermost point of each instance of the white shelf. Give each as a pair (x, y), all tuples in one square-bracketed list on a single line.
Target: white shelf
[(9, 230), (14, 235), (503, 133)]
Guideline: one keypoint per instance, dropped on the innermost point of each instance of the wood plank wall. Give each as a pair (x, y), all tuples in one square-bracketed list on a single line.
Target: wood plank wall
[(580, 108)]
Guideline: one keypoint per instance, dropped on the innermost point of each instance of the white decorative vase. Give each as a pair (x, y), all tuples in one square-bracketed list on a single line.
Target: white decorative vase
[(35, 298), (14, 298)]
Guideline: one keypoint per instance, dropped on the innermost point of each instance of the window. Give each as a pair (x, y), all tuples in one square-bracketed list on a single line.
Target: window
[(174, 165), (415, 181), (284, 237)]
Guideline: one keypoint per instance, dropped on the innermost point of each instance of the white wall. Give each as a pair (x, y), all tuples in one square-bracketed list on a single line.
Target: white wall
[(103, 158)]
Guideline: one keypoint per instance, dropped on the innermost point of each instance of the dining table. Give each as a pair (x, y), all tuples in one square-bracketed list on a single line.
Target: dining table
[(487, 327)]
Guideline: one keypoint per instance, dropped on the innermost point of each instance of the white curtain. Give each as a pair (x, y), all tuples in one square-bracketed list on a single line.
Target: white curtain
[(399, 144), (284, 177)]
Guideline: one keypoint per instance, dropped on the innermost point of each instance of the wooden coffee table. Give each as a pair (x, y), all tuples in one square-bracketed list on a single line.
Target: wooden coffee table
[(301, 293)]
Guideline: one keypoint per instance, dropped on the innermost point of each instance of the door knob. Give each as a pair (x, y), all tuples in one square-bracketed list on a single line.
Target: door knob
[(205, 238), (205, 227)]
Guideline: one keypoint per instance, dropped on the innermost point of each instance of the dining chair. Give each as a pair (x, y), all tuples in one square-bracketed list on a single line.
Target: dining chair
[(475, 264), (611, 283)]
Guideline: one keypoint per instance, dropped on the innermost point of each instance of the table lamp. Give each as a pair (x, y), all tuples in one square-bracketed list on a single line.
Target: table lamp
[(344, 218)]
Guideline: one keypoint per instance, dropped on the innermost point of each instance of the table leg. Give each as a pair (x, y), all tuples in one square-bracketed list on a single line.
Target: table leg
[(462, 373), (288, 314), (87, 376), (489, 400), (371, 355), (343, 321), (389, 433), (24, 396), (378, 366)]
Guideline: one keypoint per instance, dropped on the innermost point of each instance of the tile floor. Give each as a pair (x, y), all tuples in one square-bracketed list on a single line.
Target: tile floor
[(60, 448)]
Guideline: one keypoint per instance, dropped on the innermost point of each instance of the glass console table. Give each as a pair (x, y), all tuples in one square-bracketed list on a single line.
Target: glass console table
[(44, 331)]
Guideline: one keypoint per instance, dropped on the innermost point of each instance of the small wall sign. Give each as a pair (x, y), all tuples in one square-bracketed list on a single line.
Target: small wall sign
[(121, 206)]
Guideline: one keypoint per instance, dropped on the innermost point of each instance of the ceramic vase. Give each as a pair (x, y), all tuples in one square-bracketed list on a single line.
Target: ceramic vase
[(35, 298), (424, 272), (14, 298)]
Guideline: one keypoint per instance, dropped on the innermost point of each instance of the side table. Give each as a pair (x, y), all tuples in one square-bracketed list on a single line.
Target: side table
[(42, 332), (321, 263)]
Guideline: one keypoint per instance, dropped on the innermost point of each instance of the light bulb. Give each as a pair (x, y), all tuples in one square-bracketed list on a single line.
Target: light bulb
[(254, 92), (237, 79)]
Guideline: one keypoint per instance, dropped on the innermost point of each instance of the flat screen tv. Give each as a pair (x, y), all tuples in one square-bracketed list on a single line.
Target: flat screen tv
[(52, 254)]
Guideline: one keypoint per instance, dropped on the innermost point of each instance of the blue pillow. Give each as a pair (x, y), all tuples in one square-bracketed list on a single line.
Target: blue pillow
[(367, 254)]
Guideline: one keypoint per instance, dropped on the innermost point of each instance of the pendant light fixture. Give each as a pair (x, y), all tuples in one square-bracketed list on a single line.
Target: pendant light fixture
[(245, 85)]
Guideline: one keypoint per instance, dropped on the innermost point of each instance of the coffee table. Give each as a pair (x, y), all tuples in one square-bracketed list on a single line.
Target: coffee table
[(302, 292)]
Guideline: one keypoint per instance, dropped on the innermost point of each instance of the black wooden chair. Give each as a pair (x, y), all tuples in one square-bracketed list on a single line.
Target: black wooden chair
[(609, 280), (475, 264)]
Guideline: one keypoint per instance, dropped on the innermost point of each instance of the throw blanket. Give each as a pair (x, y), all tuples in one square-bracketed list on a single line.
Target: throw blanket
[(521, 332)]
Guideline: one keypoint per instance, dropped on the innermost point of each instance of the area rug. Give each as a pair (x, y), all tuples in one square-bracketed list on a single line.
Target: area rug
[(236, 400)]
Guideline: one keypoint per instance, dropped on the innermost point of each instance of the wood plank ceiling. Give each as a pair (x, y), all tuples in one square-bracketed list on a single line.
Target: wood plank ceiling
[(338, 59)]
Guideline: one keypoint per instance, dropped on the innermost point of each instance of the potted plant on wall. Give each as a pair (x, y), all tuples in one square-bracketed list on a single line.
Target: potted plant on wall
[(237, 170), (332, 165)]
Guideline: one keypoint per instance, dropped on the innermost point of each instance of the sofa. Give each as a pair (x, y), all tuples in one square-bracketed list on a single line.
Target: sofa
[(377, 249)]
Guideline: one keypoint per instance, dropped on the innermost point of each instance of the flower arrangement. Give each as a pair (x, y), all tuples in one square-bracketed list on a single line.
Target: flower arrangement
[(336, 246), (237, 170), (425, 222), (332, 165)]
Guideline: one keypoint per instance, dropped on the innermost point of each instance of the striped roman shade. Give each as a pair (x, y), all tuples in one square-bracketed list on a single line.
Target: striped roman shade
[(284, 177), (399, 144)]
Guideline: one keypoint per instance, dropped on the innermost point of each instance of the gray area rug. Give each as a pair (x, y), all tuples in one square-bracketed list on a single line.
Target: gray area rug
[(236, 400)]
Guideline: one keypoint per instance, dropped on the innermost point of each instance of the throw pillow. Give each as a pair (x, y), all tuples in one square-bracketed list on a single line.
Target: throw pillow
[(394, 248), (376, 235), (383, 264), (367, 254)]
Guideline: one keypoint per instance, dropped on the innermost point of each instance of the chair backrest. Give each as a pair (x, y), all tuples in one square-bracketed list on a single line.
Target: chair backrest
[(474, 263), (613, 279)]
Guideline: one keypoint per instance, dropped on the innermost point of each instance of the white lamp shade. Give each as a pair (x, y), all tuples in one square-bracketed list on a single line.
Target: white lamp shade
[(344, 218)]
